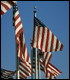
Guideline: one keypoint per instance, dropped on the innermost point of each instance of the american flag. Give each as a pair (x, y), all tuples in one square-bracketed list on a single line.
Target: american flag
[(20, 40), (44, 39), (25, 70), (23, 54), (50, 70), (6, 74), (5, 6), (45, 56)]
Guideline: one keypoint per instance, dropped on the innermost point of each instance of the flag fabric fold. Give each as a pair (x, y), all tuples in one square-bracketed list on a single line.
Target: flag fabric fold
[(52, 71), (20, 40), (44, 39), (6, 74), (25, 70), (25, 63), (5, 6), (49, 69)]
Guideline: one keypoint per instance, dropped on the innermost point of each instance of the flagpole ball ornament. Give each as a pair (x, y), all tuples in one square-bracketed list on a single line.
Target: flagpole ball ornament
[(34, 7), (35, 11)]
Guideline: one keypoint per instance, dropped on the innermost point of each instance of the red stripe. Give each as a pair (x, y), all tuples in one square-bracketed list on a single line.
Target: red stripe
[(42, 37), (27, 57), (24, 49), (47, 40), (57, 41), (61, 47), (50, 72), (18, 34), (5, 6), (38, 33), (52, 41), (26, 68), (22, 75), (49, 59), (10, 2), (2, 12), (16, 16), (55, 68), (18, 24), (50, 76), (27, 73)]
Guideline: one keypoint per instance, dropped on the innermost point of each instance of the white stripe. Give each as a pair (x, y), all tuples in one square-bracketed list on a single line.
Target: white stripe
[(54, 69), (45, 53), (24, 70), (40, 36), (19, 52), (17, 21), (25, 50), (21, 76), (52, 77), (59, 46), (26, 66), (3, 9), (49, 43), (25, 53), (48, 75), (35, 36), (7, 4), (17, 13), (23, 73), (47, 59), (16, 31), (44, 42), (54, 44)]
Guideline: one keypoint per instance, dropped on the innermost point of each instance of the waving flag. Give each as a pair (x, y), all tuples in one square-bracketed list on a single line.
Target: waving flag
[(25, 70), (44, 39), (6, 74), (52, 71), (5, 6), (20, 40)]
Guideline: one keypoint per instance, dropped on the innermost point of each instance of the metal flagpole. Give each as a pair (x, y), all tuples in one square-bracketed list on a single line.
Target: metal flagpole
[(38, 65), (31, 62), (35, 50), (17, 64), (17, 58)]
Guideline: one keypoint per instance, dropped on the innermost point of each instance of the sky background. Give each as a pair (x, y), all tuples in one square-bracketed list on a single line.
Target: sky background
[(55, 15)]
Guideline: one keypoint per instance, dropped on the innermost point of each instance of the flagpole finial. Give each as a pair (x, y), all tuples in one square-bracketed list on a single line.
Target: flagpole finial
[(34, 7), (35, 11)]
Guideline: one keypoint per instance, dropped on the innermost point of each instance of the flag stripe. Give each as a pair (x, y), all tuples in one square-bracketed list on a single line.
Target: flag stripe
[(44, 42), (51, 48), (38, 32), (47, 40), (25, 69), (43, 30), (5, 6), (39, 43)]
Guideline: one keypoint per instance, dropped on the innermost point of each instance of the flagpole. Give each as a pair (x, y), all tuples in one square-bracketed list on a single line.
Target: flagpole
[(17, 64), (17, 58), (31, 62), (35, 50), (39, 65)]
